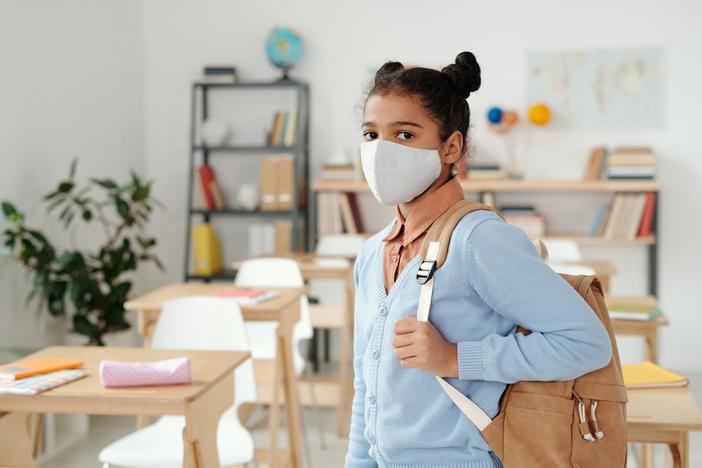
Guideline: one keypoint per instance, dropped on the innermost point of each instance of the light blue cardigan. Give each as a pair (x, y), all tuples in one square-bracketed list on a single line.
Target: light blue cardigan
[(492, 281)]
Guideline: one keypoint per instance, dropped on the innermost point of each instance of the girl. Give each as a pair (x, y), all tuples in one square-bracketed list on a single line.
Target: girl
[(415, 126)]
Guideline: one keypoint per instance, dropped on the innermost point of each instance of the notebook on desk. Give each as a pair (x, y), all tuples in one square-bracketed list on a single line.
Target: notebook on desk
[(41, 383), (650, 375), (29, 367), (248, 296)]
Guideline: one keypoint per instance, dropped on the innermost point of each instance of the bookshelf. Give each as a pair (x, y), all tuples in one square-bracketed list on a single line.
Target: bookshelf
[(201, 95), (485, 188)]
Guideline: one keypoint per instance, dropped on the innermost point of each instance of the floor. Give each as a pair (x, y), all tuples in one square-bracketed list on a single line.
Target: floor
[(104, 429)]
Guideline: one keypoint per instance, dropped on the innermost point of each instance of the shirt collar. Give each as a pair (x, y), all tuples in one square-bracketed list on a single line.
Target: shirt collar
[(427, 209)]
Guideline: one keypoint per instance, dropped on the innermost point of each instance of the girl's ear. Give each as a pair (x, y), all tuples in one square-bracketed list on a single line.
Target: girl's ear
[(452, 149)]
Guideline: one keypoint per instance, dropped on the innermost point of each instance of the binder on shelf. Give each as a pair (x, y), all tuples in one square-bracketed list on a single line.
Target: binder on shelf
[(285, 175), (283, 239), (269, 184), (207, 251)]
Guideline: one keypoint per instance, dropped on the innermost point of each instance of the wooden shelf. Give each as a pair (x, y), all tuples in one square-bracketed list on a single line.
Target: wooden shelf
[(510, 185), (257, 149), (242, 212), (591, 240)]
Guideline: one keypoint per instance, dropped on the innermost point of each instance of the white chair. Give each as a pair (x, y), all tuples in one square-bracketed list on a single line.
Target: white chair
[(563, 250), (203, 323), (275, 272)]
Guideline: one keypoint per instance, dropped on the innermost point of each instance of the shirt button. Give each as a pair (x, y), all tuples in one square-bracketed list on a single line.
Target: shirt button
[(376, 354), (394, 258), (383, 311), (371, 399)]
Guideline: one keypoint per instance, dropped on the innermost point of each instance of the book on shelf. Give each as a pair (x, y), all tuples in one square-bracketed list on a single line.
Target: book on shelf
[(649, 375), (269, 184), (41, 382), (329, 215), (527, 218), (219, 74), (593, 171), (24, 368), (209, 188), (484, 171), (207, 250), (283, 129), (631, 163), (628, 216)]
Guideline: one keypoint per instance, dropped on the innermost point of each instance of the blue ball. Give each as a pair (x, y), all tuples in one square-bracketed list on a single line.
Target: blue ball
[(494, 115)]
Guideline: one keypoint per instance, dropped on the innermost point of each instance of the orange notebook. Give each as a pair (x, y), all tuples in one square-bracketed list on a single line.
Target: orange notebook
[(29, 367)]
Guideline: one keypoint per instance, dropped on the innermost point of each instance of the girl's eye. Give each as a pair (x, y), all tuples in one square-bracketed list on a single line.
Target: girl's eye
[(405, 135), (370, 135)]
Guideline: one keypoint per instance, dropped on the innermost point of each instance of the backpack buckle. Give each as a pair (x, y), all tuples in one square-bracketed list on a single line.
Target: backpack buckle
[(426, 271)]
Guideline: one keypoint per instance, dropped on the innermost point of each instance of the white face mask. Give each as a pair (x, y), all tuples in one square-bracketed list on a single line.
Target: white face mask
[(397, 173)]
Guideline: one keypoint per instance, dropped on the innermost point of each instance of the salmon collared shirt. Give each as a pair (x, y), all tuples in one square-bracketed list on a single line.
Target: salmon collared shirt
[(404, 239)]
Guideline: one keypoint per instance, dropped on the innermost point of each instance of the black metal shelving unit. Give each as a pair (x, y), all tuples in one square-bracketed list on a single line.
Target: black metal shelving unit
[(202, 154)]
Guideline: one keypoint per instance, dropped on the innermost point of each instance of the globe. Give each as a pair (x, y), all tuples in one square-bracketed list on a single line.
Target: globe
[(284, 49)]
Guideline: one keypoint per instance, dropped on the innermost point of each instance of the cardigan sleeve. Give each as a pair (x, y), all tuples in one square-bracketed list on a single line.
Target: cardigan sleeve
[(506, 272), (358, 455)]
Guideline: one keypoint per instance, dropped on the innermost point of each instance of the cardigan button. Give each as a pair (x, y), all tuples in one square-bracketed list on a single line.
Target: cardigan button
[(371, 439), (371, 399), (383, 311), (376, 354)]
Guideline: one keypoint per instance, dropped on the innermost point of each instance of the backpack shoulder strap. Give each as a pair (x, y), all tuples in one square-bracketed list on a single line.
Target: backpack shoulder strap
[(443, 227)]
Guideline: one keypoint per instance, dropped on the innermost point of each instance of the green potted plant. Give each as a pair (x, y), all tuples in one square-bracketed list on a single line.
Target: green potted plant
[(92, 284)]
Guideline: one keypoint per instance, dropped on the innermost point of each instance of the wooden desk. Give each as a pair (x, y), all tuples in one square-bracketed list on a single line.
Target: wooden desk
[(647, 329), (202, 402), (664, 416), (284, 309)]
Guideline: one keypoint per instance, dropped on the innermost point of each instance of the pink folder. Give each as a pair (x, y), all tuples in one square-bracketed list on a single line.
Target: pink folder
[(135, 374)]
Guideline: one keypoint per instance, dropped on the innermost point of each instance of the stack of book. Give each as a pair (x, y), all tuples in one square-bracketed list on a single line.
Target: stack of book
[(32, 376), (527, 218), (626, 216), (209, 188), (338, 212), (485, 171), (219, 74), (283, 129), (277, 183), (338, 172), (639, 310), (637, 163), (248, 295)]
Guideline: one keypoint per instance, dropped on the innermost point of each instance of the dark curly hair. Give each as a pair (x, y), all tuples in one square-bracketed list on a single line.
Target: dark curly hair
[(443, 93)]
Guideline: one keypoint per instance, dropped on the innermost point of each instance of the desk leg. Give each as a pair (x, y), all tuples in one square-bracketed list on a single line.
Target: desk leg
[(274, 411), (343, 413), (201, 421), (16, 447), (646, 455), (292, 401), (680, 451)]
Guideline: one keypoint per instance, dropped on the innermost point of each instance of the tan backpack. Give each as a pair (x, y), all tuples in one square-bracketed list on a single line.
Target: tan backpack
[(573, 423)]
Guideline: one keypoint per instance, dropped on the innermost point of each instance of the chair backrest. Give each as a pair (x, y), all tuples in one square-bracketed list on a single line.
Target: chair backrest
[(276, 272), (207, 323), (342, 245), (572, 269)]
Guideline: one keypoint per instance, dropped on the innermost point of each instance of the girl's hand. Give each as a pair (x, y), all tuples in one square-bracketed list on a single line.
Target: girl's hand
[(419, 345)]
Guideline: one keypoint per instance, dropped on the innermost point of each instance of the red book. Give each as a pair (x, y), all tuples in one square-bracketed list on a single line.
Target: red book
[(647, 217), (206, 177)]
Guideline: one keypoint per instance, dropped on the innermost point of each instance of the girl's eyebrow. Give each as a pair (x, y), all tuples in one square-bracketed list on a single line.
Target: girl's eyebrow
[(395, 124)]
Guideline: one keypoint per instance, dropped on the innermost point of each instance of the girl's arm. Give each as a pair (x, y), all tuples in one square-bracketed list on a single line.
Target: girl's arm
[(567, 339), (357, 455)]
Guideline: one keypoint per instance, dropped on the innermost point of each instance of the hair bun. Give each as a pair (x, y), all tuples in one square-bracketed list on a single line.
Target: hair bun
[(388, 71), (464, 74)]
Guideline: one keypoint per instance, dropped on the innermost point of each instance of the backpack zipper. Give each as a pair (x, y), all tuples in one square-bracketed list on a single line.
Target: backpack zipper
[(582, 420)]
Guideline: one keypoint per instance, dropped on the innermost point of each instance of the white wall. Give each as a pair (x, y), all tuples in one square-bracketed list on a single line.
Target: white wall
[(344, 39), (70, 86)]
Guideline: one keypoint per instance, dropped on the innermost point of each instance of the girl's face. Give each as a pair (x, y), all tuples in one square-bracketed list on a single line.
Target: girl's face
[(402, 119)]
